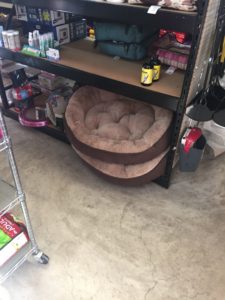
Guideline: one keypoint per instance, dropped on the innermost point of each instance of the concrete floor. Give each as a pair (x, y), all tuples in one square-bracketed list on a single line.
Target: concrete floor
[(110, 242)]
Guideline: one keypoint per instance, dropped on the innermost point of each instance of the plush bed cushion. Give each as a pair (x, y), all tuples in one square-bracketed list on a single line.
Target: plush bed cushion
[(116, 129), (187, 5), (127, 174)]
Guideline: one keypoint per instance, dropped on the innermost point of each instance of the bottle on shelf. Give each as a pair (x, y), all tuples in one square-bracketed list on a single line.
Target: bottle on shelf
[(147, 74)]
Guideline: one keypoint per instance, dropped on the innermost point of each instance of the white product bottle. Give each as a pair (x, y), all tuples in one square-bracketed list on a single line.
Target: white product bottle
[(5, 38), (17, 39), (11, 40), (30, 39)]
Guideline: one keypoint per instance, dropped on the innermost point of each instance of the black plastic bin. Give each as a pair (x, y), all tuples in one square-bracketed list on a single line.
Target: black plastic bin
[(189, 160)]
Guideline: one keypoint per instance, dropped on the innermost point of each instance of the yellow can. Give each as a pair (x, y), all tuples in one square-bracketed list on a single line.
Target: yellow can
[(146, 74), (156, 71)]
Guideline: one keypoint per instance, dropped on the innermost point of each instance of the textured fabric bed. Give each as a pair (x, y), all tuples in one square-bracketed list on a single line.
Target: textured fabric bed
[(116, 129), (127, 174), (187, 5)]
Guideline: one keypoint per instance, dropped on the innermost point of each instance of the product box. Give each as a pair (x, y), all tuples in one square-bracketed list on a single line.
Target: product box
[(34, 15), (21, 12), (45, 16), (78, 29), (61, 32), (50, 81), (12, 237), (52, 18)]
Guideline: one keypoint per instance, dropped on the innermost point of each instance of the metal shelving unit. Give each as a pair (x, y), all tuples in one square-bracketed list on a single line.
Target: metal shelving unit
[(88, 67), (10, 196)]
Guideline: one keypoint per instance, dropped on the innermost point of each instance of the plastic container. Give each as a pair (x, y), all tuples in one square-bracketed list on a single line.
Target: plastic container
[(29, 118), (191, 152), (17, 40), (11, 40), (5, 38)]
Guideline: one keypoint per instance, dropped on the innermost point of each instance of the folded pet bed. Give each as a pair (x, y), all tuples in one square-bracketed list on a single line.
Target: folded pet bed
[(116, 129), (127, 174)]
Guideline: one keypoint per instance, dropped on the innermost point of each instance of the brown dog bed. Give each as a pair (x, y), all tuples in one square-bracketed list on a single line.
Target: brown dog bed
[(116, 129), (127, 174)]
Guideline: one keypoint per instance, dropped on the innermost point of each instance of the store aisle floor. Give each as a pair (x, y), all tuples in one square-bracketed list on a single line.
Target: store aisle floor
[(110, 242)]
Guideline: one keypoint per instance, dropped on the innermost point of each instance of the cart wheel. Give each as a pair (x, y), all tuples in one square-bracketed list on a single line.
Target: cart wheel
[(43, 259)]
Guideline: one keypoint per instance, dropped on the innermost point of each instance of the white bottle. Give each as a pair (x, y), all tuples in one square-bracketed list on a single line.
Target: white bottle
[(36, 38), (11, 40), (5, 39), (17, 40), (30, 39)]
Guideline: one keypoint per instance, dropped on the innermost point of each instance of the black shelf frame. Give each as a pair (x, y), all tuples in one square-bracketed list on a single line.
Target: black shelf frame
[(165, 18), (123, 13)]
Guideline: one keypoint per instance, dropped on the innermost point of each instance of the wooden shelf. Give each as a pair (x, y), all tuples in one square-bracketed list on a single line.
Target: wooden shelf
[(121, 12), (82, 62), (83, 56)]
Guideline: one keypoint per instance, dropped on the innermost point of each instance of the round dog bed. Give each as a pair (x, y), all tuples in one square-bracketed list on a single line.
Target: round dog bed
[(114, 128), (127, 174)]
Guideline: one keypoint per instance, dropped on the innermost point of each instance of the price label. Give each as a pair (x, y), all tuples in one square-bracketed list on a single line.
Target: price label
[(153, 9), (170, 70)]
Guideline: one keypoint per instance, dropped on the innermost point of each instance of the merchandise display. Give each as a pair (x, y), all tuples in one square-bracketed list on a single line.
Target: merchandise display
[(172, 48), (64, 27), (170, 90)]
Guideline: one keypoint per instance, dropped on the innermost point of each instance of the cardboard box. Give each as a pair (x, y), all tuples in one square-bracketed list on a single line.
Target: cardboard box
[(52, 18), (21, 12), (61, 33), (12, 237), (78, 30)]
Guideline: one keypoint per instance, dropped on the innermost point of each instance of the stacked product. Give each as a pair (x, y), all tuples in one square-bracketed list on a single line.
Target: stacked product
[(11, 39), (126, 41), (57, 91), (173, 48), (123, 139), (64, 26)]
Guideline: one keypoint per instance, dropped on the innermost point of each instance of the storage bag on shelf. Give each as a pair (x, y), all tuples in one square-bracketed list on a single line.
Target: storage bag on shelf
[(115, 134), (187, 5), (126, 41), (124, 50)]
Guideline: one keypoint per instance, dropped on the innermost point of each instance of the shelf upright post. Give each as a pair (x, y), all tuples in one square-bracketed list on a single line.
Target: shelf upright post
[(179, 114)]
